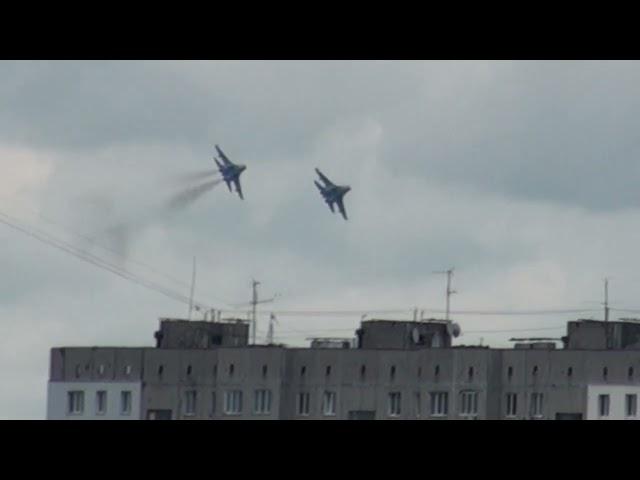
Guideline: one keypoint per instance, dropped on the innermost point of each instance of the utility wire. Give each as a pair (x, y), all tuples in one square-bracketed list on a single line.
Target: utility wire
[(317, 313), (94, 260), (95, 241)]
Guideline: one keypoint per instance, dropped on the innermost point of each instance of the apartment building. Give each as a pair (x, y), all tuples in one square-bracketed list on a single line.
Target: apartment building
[(392, 370)]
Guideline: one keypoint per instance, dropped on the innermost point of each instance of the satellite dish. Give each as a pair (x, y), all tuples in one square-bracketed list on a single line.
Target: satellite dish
[(455, 330), (415, 335)]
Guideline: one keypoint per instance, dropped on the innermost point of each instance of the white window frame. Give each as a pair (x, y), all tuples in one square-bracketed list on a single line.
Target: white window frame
[(190, 403), (395, 404), (329, 403), (537, 405), (303, 401), (631, 405), (469, 403), (439, 404), (125, 402), (75, 402), (101, 401), (511, 405), (262, 402), (233, 402)]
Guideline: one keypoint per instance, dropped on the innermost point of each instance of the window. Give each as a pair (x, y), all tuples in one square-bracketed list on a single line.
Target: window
[(534, 372), (418, 404), (437, 370), (605, 373), (264, 371), (394, 404), (470, 373), (160, 370), (262, 402), (509, 373), (125, 402), (570, 372), (329, 403), (233, 402), (439, 404), (512, 404), (78, 370), (101, 402), (363, 371), (101, 370), (631, 407), (303, 370), (127, 370), (328, 370), (190, 403), (75, 403), (603, 405), (537, 402), (303, 403), (419, 372), (469, 404), (231, 369), (189, 370), (630, 373), (392, 373)]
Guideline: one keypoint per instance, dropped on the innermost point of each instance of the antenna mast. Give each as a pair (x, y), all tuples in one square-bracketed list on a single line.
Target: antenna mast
[(606, 299), (450, 292), (193, 284), (254, 304)]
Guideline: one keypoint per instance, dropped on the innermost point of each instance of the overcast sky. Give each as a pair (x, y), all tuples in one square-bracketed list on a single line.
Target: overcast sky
[(521, 175)]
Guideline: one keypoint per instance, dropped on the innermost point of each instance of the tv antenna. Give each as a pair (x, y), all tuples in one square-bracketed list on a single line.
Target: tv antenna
[(193, 286), (606, 299), (254, 304), (450, 292)]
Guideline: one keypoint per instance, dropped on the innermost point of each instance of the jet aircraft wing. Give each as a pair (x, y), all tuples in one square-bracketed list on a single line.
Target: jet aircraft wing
[(223, 156), (326, 181), (341, 207), (238, 188)]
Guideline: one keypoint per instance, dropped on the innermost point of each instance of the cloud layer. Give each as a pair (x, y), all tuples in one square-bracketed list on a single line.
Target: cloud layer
[(522, 175)]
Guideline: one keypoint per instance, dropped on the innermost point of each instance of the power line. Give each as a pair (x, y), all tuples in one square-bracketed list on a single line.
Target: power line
[(94, 241), (92, 259), (318, 313), (293, 333)]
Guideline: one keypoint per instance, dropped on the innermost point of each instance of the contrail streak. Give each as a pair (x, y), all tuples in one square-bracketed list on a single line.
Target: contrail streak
[(184, 199), (194, 176)]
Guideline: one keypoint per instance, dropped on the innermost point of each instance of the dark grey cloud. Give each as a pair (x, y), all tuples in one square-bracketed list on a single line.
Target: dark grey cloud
[(519, 174)]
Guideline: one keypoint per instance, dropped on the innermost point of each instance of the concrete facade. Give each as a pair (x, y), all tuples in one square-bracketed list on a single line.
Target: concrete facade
[(391, 380)]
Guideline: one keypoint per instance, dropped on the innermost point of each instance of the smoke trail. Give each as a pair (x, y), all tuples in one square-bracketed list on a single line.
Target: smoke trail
[(184, 199), (192, 177)]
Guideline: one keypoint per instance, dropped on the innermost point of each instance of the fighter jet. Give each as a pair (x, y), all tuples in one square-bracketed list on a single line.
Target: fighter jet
[(230, 171), (332, 193)]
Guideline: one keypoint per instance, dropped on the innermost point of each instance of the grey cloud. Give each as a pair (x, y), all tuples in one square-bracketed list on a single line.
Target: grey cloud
[(496, 168)]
